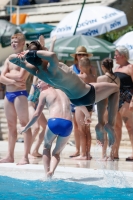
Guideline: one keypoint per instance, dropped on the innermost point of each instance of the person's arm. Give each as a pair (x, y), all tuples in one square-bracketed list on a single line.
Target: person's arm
[(87, 118), (51, 57), (37, 113), (17, 77), (131, 102), (100, 79), (4, 79), (21, 62), (52, 44), (32, 56)]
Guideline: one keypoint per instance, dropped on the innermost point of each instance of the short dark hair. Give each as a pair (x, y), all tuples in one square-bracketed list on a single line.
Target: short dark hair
[(34, 45), (85, 62), (108, 64)]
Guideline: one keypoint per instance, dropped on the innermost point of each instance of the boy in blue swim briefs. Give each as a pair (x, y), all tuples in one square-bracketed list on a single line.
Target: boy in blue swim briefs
[(59, 124), (46, 66), (15, 102)]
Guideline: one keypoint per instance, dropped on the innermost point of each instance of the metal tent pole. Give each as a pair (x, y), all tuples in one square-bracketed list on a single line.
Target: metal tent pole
[(79, 16), (99, 68)]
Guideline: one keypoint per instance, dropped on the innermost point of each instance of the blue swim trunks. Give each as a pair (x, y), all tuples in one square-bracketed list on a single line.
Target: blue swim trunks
[(88, 99), (12, 95), (61, 127)]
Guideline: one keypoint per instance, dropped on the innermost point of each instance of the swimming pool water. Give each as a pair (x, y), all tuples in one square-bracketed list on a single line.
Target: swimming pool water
[(17, 189)]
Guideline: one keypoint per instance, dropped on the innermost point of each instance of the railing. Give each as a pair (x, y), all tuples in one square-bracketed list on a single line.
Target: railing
[(12, 9)]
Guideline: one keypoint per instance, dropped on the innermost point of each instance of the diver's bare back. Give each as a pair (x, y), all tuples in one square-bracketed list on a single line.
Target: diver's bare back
[(69, 82), (14, 69)]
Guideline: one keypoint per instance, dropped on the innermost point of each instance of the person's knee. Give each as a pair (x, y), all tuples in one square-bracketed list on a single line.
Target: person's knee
[(56, 154), (81, 129), (11, 124), (36, 129), (100, 124), (41, 135), (89, 136), (23, 122), (129, 128), (47, 145), (44, 126)]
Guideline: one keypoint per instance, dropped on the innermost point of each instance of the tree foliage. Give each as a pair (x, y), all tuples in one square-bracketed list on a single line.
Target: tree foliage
[(114, 35)]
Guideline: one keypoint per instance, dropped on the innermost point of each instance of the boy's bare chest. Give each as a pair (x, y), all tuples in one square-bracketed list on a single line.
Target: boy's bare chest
[(13, 67)]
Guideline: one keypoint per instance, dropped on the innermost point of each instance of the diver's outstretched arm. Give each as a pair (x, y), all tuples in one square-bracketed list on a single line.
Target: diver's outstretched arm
[(13, 58), (36, 58)]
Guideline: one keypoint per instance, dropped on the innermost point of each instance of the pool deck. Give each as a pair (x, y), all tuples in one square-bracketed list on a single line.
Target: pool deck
[(121, 165), (96, 172)]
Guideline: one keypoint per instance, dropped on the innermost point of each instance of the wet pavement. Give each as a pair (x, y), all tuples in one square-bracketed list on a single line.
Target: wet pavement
[(66, 161)]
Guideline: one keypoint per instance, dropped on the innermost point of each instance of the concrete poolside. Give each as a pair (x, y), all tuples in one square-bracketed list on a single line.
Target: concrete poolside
[(121, 165), (117, 174)]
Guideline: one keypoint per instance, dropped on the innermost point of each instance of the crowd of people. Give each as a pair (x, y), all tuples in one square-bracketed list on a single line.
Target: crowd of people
[(70, 94)]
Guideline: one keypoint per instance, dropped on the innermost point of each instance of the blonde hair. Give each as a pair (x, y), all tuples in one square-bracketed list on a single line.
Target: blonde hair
[(123, 51), (19, 36), (84, 62)]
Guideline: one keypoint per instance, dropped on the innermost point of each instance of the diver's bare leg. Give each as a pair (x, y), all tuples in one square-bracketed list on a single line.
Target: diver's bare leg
[(112, 112), (101, 108)]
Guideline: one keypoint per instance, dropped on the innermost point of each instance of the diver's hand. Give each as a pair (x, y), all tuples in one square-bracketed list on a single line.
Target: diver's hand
[(22, 56)]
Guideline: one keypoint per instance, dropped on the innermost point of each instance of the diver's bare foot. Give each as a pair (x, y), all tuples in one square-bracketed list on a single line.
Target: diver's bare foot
[(23, 161), (35, 155), (74, 155), (100, 133), (49, 175), (7, 160), (111, 136)]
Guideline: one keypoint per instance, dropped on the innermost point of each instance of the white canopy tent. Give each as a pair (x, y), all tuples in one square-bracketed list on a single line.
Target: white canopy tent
[(127, 41), (94, 20)]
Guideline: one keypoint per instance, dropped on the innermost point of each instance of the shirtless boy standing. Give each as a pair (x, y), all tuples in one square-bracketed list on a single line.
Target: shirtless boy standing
[(15, 102)]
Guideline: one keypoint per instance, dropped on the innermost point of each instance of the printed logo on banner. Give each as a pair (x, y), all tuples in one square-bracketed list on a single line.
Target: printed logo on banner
[(91, 32), (87, 22), (115, 24), (129, 46), (62, 29), (107, 16)]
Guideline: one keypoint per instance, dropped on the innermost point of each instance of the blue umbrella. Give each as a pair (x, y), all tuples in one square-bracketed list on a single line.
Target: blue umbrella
[(32, 31)]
